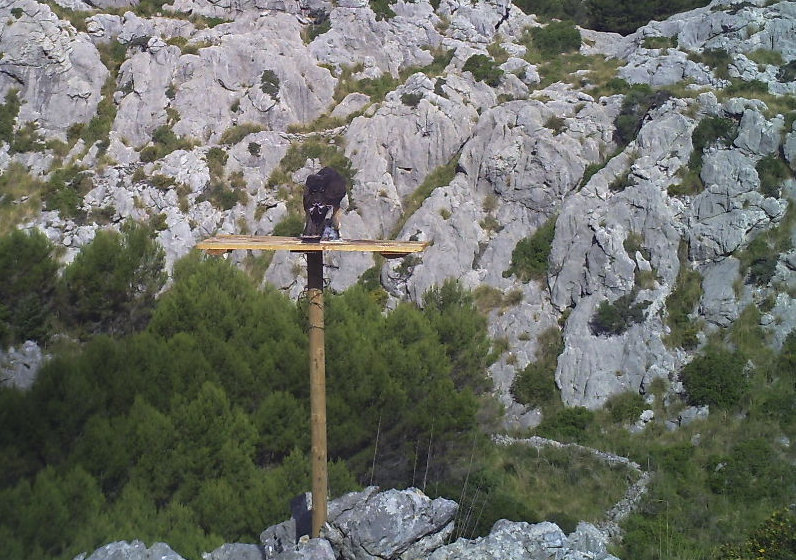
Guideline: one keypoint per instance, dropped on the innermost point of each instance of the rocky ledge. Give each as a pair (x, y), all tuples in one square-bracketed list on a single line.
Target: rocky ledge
[(391, 524)]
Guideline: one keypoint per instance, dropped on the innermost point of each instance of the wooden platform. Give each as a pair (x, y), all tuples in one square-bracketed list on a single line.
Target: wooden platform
[(388, 249)]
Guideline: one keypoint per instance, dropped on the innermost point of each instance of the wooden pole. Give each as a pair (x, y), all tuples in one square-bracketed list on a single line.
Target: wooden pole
[(317, 390)]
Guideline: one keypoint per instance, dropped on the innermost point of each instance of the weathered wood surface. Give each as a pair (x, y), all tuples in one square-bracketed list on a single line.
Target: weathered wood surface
[(389, 249)]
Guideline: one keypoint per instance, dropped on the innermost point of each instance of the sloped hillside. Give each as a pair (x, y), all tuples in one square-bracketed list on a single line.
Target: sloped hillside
[(650, 157)]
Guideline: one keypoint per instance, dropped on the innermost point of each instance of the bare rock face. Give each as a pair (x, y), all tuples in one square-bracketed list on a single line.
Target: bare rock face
[(362, 526), (382, 46), (135, 550), (441, 156), (510, 539), (57, 71), (19, 366)]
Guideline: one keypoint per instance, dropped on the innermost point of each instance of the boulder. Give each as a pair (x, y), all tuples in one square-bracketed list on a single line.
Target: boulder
[(236, 551), (135, 550), (369, 525), (524, 541)]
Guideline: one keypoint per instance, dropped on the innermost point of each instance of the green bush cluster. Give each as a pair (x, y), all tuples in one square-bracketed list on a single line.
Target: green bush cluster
[(382, 9), (625, 16), (235, 134), (269, 83), (27, 287), (681, 302), (8, 115), (164, 141), (65, 189), (529, 259), (26, 138), (615, 318), (718, 59), (411, 99), (483, 69), (716, 378), (110, 287), (556, 38), (626, 407), (772, 171), (709, 132), (622, 16), (568, 424), (535, 385), (223, 193), (292, 225), (195, 430), (638, 101), (774, 539)]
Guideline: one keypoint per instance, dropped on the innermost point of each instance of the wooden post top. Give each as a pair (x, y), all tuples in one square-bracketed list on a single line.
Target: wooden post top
[(388, 249)]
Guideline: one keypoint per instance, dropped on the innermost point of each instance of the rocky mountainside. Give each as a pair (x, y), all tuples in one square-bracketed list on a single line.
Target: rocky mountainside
[(204, 117)]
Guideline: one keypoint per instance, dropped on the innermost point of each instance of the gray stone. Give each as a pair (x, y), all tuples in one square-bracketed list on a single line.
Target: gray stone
[(314, 549), (135, 550), (391, 524), (236, 551), (19, 366), (509, 539), (719, 304)]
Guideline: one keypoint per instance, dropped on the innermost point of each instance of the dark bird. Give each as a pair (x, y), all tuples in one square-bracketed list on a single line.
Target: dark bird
[(323, 193)]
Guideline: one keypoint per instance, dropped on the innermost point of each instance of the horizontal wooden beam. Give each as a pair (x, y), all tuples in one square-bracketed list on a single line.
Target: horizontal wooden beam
[(388, 249)]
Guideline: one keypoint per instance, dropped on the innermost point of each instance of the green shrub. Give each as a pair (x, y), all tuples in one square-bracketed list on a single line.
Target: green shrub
[(569, 424), (328, 154), (638, 101), (27, 287), (709, 132), (752, 88), (535, 385), (8, 115), (765, 57), (759, 260), (774, 539), (382, 9), (659, 42), (716, 379), (625, 407), (411, 99), (615, 318), (626, 16), (27, 139), (290, 226), (164, 142), (751, 470), (316, 28), (483, 69), (236, 133), (772, 171), (65, 189), (680, 303), (529, 259), (556, 38), (112, 283), (718, 59), (269, 83)]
